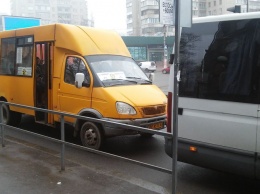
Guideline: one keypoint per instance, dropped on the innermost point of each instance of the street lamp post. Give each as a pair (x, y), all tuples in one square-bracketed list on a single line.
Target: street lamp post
[(164, 48)]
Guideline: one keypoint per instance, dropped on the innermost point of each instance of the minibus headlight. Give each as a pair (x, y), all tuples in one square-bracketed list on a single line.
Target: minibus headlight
[(125, 109)]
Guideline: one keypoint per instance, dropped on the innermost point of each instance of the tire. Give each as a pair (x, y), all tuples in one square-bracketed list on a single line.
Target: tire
[(91, 136), (164, 71), (6, 114), (10, 117), (146, 135), (16, 118)]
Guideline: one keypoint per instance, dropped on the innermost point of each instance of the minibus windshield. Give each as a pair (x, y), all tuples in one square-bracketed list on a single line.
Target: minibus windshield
[(117, 70)]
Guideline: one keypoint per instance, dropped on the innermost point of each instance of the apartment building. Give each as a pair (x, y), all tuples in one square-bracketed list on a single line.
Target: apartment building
[(143, 18), (219, 7), (249, 5), (133, 17), (143, 15), (53, 11)]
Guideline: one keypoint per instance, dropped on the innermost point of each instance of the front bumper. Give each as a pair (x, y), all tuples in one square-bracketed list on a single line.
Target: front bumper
[(113, 127)]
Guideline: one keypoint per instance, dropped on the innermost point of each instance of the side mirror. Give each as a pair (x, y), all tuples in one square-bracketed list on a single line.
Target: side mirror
[(79, 78)]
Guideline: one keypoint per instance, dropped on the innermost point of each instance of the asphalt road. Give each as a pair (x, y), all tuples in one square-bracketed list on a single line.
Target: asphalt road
[(161, 80)]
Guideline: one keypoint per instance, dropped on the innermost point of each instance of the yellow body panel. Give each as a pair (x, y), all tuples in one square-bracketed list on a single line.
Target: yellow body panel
[(79, 39), (104, 99), (90, 41)]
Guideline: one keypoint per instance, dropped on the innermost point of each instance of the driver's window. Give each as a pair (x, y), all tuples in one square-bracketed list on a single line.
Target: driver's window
[(75, 65)]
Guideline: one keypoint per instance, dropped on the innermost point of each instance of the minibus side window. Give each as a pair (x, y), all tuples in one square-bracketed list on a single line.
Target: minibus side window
[(75, 65), (7, 56), (24, 52)]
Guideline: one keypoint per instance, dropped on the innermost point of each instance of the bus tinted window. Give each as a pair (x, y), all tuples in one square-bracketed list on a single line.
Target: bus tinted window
[(24, 52), (16, 56), (219, 60), (24, 60), (7, 56)]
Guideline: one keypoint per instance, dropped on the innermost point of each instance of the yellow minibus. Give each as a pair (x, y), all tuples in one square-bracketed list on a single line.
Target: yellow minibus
[(78, 70)]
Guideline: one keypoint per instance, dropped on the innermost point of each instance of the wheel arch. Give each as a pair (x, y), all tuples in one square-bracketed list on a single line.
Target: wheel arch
[(12, 118), (3, 99), (87, 113)]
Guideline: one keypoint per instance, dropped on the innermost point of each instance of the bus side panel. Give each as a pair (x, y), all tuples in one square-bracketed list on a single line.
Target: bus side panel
[(225, 139), (217, 158), (228, 124), (18, 90), (55, 104)]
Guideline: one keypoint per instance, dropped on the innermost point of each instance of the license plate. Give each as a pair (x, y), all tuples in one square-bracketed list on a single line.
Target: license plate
[(156, 125)]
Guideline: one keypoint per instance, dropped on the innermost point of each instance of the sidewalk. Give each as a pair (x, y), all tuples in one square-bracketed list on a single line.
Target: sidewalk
[(28, 170)]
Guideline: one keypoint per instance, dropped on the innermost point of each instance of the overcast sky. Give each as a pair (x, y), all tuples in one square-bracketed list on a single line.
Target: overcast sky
[(109, 14)]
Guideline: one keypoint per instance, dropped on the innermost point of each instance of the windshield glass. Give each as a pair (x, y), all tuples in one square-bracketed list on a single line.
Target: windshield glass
[(117, 70)]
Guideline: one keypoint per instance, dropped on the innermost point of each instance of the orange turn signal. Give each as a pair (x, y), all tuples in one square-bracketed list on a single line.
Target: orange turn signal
[(193, 149)]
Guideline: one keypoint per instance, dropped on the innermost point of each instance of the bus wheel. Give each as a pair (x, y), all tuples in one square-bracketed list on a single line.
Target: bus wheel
[(91, 136), (16, 118), (10, 117), (6, 114)]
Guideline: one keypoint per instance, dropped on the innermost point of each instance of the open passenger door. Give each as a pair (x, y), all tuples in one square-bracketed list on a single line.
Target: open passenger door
[(43, 83)]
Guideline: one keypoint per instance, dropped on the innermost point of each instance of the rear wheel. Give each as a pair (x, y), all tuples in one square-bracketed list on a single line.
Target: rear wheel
[(91, 135), (10, 117)]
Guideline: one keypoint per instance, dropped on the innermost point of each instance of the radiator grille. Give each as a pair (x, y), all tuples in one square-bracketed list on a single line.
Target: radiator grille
[(154, 110)]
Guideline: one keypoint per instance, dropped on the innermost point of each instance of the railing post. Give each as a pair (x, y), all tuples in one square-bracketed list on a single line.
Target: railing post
[(175, 99), (1, 123), (63, 144)]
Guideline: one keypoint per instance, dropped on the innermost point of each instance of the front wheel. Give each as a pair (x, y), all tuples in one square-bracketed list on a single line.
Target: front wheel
[(91, 136), (164, 71)]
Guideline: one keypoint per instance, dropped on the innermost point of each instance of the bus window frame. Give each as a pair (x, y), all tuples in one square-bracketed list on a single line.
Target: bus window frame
[(26, 42)]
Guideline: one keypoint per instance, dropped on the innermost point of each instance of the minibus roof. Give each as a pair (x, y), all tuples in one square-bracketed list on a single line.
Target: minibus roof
[(227, 17), (80, 39)]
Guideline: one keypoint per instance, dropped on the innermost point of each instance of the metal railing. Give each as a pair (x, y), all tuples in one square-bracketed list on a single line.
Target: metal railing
[(62, 131)]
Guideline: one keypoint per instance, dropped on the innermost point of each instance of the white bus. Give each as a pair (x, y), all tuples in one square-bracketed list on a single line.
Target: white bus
[(219, 94)]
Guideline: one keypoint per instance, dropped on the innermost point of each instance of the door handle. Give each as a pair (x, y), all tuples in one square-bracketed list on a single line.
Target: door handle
[(180, 111)]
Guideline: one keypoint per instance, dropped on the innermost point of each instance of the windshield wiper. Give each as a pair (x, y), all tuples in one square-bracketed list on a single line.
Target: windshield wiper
[(144, 80), (124, 80), (133, 77), (119, 81)]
